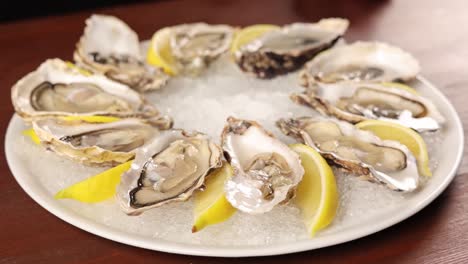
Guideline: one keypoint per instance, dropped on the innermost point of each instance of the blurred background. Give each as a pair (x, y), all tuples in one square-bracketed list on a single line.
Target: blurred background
[(19, 10), (11, 10)]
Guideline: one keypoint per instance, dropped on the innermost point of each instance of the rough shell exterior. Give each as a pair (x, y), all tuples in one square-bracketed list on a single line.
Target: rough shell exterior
[(110, 47), (268, 63), (53, 134)]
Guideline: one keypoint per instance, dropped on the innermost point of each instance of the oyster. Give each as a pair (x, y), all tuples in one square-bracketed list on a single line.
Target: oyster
[(266, 171), (357, 151), (195, 45), (58, 89), (95, 143), (285, 50), (110, 47), (169, 168), (361, 61), (358, 101)]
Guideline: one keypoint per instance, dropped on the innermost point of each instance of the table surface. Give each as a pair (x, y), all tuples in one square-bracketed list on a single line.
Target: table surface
[(435, 32)]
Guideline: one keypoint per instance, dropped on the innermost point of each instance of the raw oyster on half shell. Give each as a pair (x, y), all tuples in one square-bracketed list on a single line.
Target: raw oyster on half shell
[(357, 151), (266, 171), (58, 89), (358, 101), (190, 48), (285, 50), (110, 47), (361, 61), (169, 168), (95, 143)]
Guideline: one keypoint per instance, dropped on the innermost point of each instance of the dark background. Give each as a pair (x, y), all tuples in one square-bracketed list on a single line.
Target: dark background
[(11, 10)]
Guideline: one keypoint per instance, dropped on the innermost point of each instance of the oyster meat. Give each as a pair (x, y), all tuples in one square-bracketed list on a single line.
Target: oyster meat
[(58, 89), (357, 101), (195, 46), (361, 61), (110, 47), (285, 50), (266, 171), (95, 143), (170, 168), (357, 151)]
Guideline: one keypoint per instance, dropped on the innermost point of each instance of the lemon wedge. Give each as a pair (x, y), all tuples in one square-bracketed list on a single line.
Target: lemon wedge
[(160, 53), (211, 205), (250, 33), (406, 136), (32, 135), (97, 188), (81, 70), (92, 119), (316, 194)]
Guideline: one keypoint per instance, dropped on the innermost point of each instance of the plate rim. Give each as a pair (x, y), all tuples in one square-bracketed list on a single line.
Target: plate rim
[(151, 243)]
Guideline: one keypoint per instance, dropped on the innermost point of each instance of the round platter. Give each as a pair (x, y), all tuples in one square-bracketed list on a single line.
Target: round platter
[(33, 168)]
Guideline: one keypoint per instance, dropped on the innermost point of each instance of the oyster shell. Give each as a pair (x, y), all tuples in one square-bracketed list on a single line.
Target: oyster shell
[(58, 89), (285, 50), (361, 61), (357, 151), (110, 47), (358, 101), (195, 45), (95, 143), (169, 168), (266, 171)]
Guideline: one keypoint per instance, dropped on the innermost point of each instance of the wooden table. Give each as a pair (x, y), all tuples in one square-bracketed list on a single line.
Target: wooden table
[(435, 31)]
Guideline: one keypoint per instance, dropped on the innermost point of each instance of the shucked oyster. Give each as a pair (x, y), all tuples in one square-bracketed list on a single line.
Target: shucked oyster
[(195, 45), (110, 47), (266, 171), (285, 50), (57, 89), (358, 101), (192, 47), (361, 61), (95, 143), (357, 151), (169, 168)]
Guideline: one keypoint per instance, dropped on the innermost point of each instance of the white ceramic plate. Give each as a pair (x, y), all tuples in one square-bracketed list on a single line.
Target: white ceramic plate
[(451, 147)]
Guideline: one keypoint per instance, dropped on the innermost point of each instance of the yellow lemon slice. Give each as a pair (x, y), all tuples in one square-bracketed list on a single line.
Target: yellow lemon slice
[(92, 119), (250, 33), (81, 70), (316, 194), (32, 135), (97, 188), (400, 86), (406, 136), (211, 205), (160, 53)]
